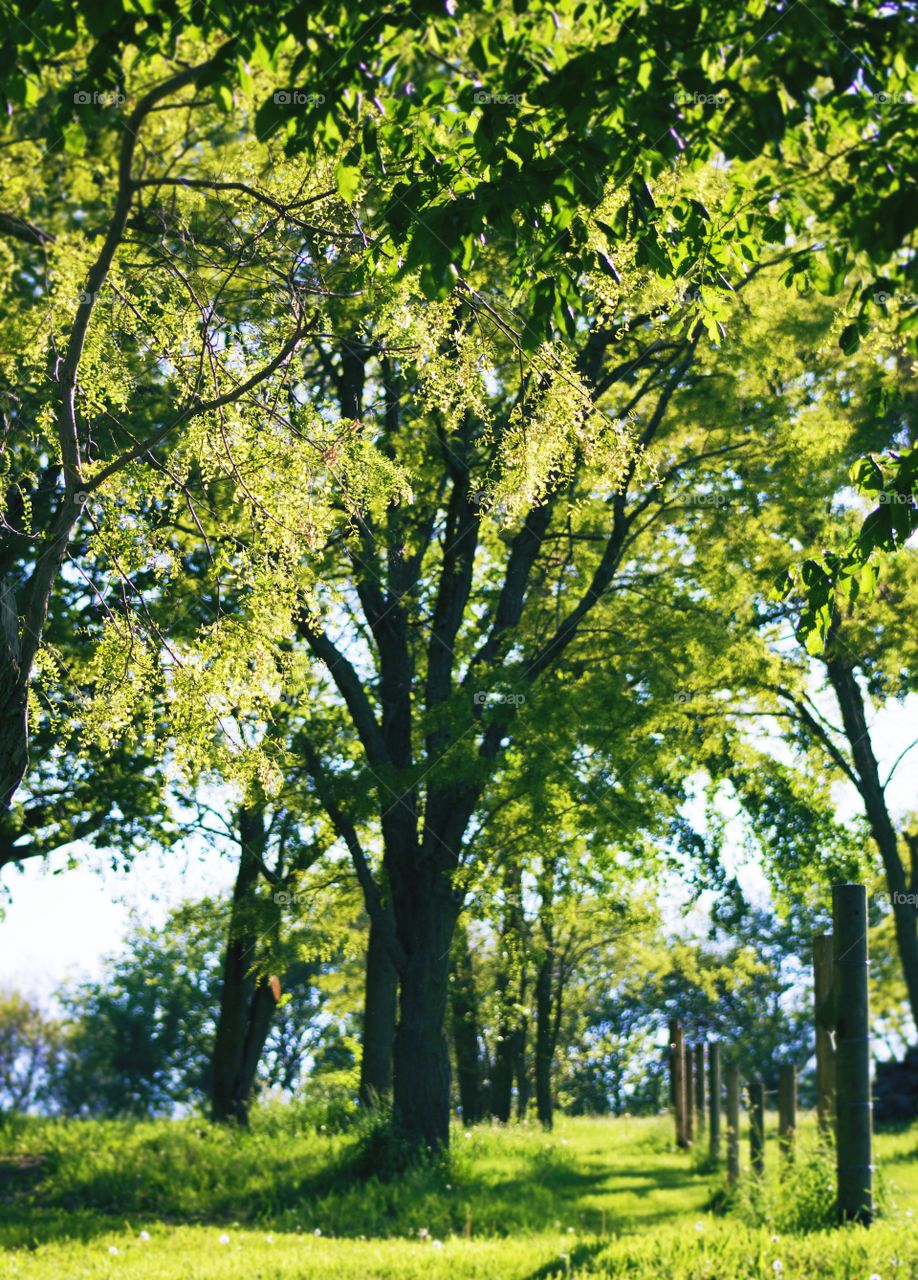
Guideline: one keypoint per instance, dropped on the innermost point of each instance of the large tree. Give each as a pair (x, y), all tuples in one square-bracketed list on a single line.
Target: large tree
[(467, 275)]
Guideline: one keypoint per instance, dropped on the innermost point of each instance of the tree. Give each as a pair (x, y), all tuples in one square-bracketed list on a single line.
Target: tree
[(140, 1039), (567, 121), (818, 695), (29, 1048), (459, 200)]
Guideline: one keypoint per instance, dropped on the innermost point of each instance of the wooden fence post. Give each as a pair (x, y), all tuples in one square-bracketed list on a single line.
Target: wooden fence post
[(689, 1094), (714, 1095), (733, 1124), (787, 1110), (825, 1023), (854, 1110), (757, 1125), (699, 1087), (678, 1045)]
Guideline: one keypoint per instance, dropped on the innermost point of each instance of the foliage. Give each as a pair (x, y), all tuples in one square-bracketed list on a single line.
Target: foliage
[(30, 1044), (138, 1039)]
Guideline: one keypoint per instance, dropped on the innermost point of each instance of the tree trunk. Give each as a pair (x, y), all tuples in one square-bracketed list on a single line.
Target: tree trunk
[(851, 705), (380, 1009), (544, 1041), (247, 1003), (464, 1013), (426, 915), (501, 1093), (523, 1079)]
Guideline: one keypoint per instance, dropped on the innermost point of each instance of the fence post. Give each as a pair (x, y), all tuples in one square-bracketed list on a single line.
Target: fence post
[(733, 1124), (689, 1094), (678, 1046), (787, 1110), (854, 1111), (825, 1023), (757, 1125), (714, 1096), (699, 1087)]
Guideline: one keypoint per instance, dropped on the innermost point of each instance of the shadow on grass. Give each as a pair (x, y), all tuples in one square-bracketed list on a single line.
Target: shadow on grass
[(579, 1256), (51, 1198)]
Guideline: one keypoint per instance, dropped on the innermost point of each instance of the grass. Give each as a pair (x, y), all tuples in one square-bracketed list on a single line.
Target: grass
[(597, 1198)]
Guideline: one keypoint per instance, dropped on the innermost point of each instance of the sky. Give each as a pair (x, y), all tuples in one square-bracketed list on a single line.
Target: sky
[(57, 928)]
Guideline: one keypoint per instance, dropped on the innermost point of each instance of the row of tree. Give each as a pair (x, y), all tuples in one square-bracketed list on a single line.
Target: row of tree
[(140, 1039), (406, 473)]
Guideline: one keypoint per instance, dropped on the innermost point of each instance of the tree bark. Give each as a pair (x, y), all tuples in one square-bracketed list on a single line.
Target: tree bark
[(544, 1047), (464, 1014), (421, 1086), (521, 1066), (380, 1009), (247, 1002)]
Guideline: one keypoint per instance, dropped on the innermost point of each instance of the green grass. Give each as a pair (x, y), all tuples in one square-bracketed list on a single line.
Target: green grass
[(597, 1198)]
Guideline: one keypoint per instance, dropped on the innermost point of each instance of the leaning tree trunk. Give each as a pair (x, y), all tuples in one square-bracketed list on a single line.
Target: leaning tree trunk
[(464, 1013), (851, 705), (247, 1002), (380, 1009), (426, 914)]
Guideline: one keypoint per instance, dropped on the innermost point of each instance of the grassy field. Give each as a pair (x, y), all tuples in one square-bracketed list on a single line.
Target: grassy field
[(599, 1198)]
